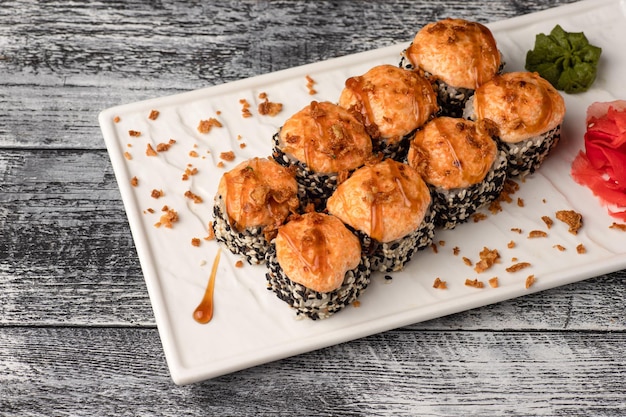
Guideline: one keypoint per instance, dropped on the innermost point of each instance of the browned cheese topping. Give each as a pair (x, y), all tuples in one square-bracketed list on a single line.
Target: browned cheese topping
[(259, 192), (459, 52), (316, 250), (452, 153), (327, 138), (520, 105), (390, 101)]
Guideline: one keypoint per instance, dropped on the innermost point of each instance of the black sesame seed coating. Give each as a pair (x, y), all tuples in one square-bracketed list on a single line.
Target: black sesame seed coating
[(250, 242), (310, 303), (393, 256), (525, 157), (313, 187), (455, 206)]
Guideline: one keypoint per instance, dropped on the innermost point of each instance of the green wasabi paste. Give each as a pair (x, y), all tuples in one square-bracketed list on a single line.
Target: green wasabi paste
[(565, 59)]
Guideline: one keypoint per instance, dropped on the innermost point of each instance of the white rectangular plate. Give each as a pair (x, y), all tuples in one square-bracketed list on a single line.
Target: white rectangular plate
[(251, 325)]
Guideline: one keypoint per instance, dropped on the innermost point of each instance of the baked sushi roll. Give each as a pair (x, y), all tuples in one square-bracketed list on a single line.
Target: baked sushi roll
[(526, 113), (324, 142), (315, 264), (462, 166), (458, 56), (388, 207), (252, 201), (393, 103)]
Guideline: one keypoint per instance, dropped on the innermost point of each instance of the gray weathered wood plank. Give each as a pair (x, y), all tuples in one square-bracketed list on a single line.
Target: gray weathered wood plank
[(99, 371), (62, 63)]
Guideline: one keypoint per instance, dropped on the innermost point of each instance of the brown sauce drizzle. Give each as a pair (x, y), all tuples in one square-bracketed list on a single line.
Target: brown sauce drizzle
[(244, 178), (376, 211), (204, 312), (313, 243), (357, 86)]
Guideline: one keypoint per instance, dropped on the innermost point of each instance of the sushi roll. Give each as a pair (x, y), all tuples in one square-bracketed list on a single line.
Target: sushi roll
[(325, 143), (388, 207), (526, 113), (393, 103), (315, 264), (252, 201), (458, 55), (462, 166)]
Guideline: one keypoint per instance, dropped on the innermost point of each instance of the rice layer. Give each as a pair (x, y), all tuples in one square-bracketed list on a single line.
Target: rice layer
[(455, 206), (313, 304), (250, 242)]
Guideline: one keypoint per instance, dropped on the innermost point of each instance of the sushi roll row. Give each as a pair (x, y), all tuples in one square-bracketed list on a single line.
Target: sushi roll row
[(360, 185)]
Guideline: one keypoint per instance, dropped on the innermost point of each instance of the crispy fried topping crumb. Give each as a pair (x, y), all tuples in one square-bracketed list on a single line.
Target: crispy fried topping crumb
[(153, 115), (548, 221), (128, 156), (439, 284), (474, 283), (205, 126), (195, 242), (157, 193), (560, 248), (581, 249), (167, 219), (488, 257), (134, 181), (310, 82), (520, 202), (493, 282), (211, 234), (467, 261), (510, 245), (245, 108), (116, 119), (134, 133), (510, 188), (476, 217), (516, 230), (150, 151), (221, 164), (618, 226), (456, 250), (530, 280), (518, 266), (193, 154), (434, 246), (196, 198), (267, 108), (189, 172), (537, 233), (239, 264), (227, 156), (573, 219)]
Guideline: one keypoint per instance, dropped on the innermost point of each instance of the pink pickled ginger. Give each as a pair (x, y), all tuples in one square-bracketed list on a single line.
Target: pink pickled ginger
[(602, 167)]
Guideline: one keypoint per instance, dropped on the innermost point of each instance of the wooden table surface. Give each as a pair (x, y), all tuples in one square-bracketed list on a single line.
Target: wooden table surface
[(77, 331)]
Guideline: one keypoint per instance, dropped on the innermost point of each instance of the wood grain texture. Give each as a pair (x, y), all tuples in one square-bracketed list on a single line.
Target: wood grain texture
[(121, 372), (62, 63), (77, 333)]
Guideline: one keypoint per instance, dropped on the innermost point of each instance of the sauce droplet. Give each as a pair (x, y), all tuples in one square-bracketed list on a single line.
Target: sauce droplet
[(204, 312)]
